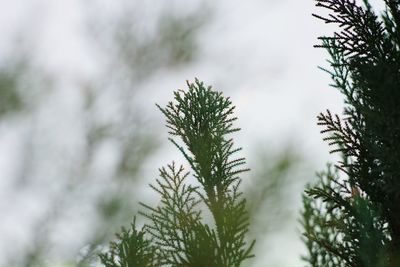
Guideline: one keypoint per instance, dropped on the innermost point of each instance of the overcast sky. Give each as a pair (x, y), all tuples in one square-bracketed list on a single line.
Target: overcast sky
[(259, 52)]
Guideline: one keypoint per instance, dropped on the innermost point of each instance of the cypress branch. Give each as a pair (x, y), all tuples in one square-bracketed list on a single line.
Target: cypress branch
[(199, 122), (354, 219)]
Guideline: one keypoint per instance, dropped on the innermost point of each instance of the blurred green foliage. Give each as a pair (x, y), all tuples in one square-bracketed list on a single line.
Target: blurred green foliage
[(10, 95), (133, 57), (270, 192)]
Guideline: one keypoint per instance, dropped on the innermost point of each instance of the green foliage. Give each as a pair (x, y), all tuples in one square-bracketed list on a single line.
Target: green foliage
[(342, 228), (354, 220), (177, 234), (173, 44), (10, 97), (272, 182), (133, 249)]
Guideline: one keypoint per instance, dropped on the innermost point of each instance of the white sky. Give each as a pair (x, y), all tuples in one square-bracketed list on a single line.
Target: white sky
[(259, 52)]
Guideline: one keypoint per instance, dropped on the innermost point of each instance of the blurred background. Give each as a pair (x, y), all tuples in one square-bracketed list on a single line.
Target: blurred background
[(81, 138)]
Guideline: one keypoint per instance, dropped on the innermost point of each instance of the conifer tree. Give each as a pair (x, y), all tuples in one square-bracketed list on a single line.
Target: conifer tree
[(200, 121), (351, 217)]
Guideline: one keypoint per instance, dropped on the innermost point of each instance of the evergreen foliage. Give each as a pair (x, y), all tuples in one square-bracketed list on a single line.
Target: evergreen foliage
[(351, 217), (200, 121), (133, 249)]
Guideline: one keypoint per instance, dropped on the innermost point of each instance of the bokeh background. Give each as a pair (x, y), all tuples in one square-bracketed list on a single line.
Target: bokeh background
[(80, 136)]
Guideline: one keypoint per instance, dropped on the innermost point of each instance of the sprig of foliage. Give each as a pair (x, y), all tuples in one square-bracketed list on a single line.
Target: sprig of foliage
[(342, 226), (132, 249), (354, 219), (177, 234)]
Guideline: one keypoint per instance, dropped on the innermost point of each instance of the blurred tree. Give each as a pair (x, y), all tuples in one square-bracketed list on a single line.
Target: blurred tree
[(136, 57), (270, 189), (352, 218), (9, 96), (273, 201), (111, 113)]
